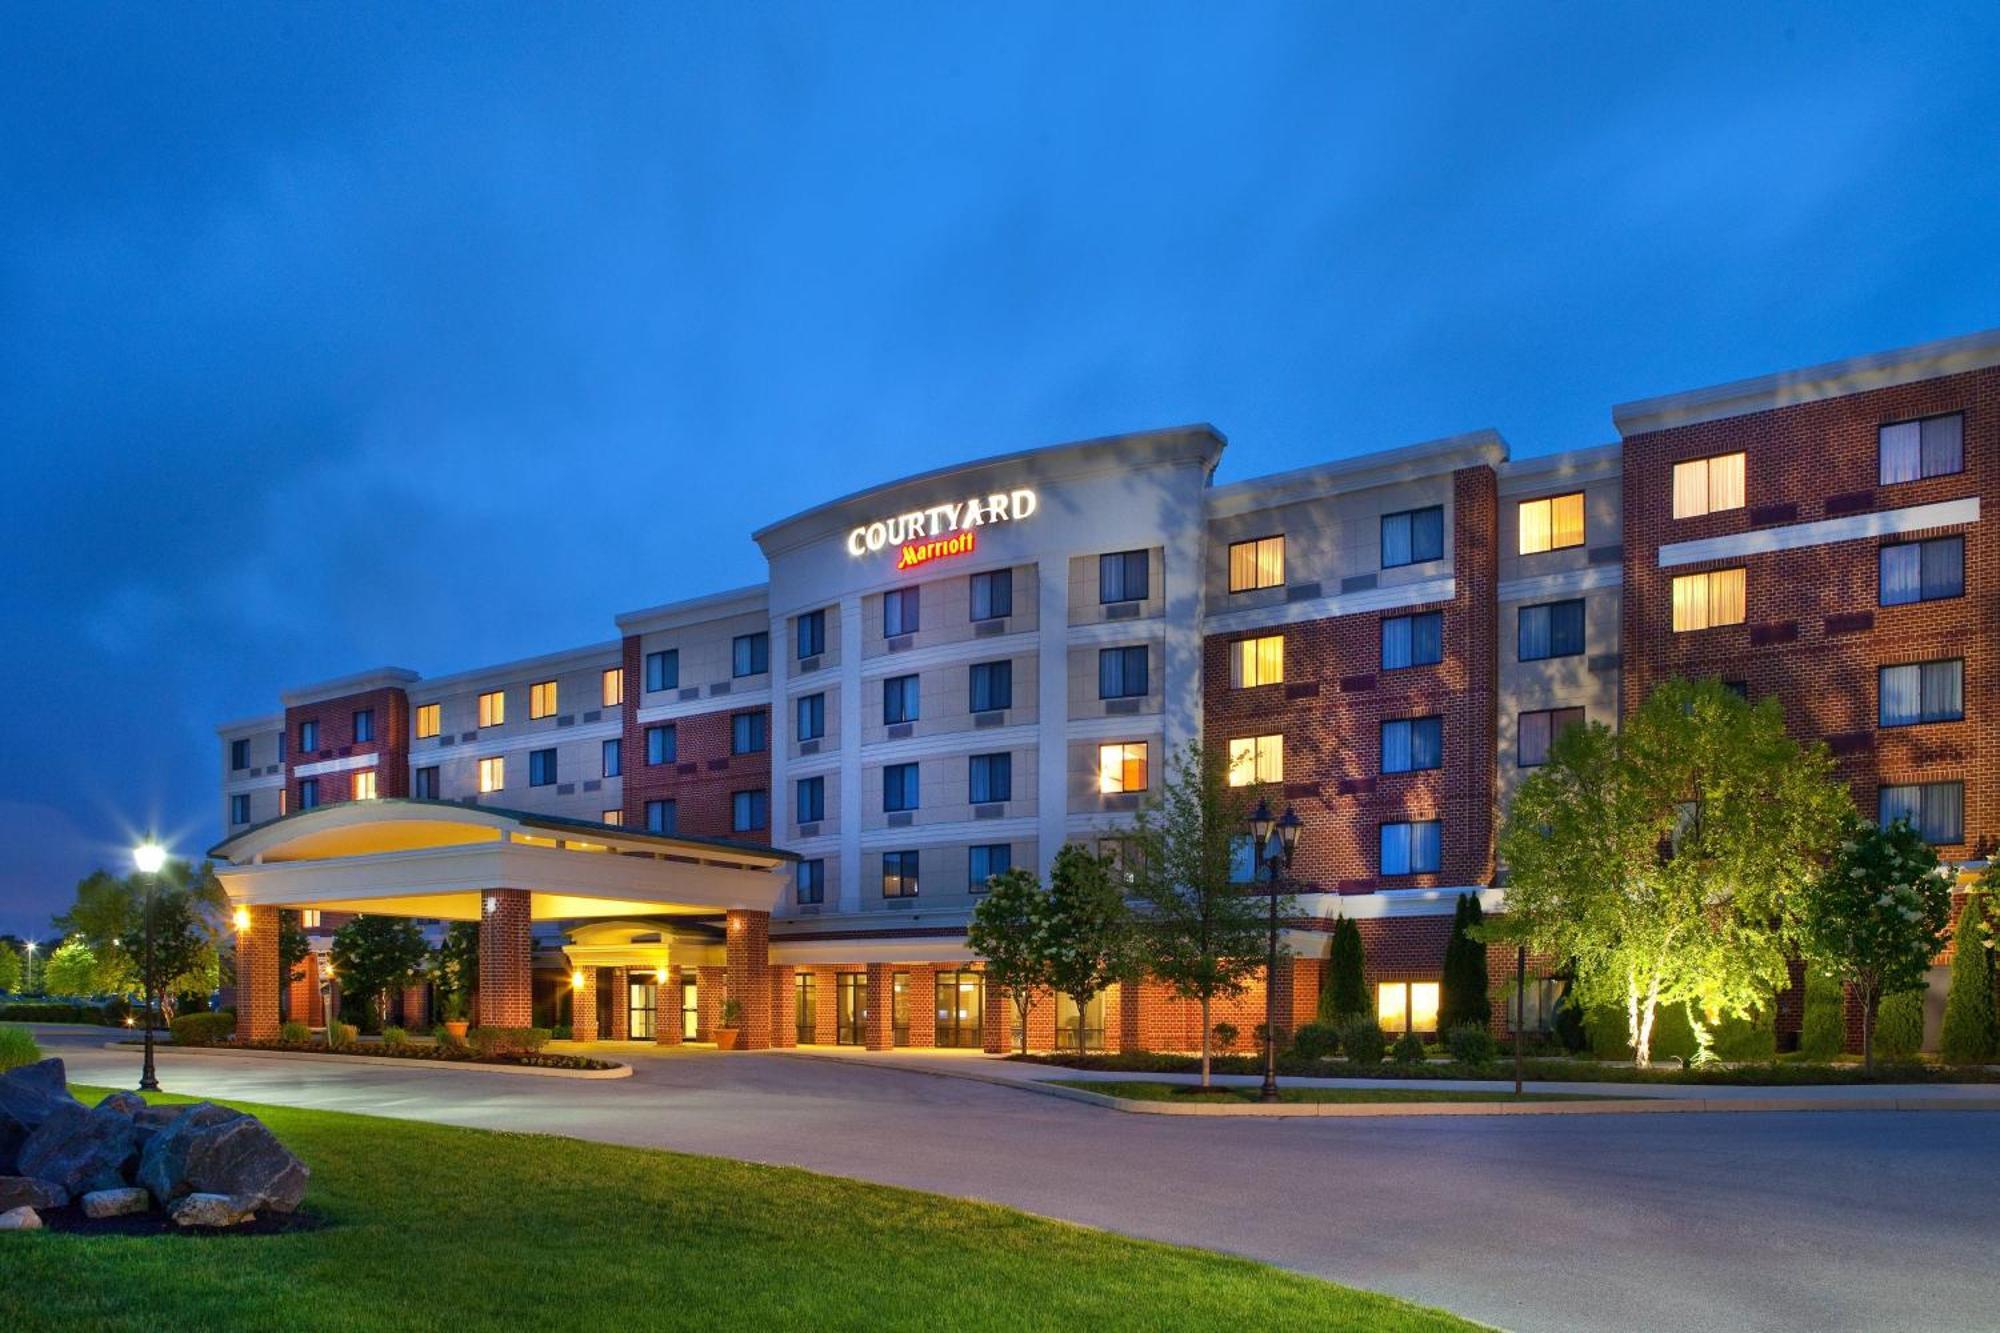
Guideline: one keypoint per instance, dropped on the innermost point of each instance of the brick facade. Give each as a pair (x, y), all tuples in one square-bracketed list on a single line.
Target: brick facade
[(257, 976), (391, 709), (704, 778), (506, 945)]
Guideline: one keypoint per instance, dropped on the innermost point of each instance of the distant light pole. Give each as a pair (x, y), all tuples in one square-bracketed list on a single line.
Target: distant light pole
[(149, 856), (1288, 828), (29, 982)]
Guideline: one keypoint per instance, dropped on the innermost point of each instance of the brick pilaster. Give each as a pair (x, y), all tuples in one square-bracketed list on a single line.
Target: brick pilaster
[(880, 1032), (667, 1016), (784, 1008), (506, 949), (257, 976), (583, 1005), (826, 1006), (923, 1006), (747, 961), (707, 1001), (417, 1007), (621, 1005)]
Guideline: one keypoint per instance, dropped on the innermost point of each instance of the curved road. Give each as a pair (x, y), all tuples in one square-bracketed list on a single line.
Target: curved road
[(1834, 1220)]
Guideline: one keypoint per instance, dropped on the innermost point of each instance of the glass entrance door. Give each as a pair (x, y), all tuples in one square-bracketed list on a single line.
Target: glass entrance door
[(690, 1019), (851, 1012), (961, 1009), (808, 1008), (644, 999)]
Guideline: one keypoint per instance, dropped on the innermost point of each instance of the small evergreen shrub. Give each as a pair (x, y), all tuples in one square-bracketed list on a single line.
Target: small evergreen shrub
[(1569, 1021), (507, 1041), (395, 1036), (1609, 1034), (1409, 1049), (442, 1035), (295, 1032), (562, 1032), (1471, 1044), (1225, 1036), (1463, 992), (1363, 1041), (1967, 1038), (340, 1034), (1823, 1032), (1741, 1040), (17, 1048), (1899, 1025), (1315, 1041), (203, 1029), (1344, 995)]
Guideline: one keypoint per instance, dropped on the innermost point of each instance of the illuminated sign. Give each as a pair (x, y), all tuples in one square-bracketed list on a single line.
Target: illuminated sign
[(922, 535)]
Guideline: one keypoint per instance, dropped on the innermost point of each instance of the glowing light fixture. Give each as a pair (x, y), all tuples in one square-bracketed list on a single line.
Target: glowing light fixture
[(242, 919), (149, 856), (576, 981)]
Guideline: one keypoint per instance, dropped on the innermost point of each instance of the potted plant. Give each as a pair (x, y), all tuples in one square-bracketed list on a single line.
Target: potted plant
[(727, 1035), (454, 1015)]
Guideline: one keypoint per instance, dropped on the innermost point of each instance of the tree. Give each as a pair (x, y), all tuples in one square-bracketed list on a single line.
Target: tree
[(1666, 858), (375, 954), (1204, 933), (1007, 931), (1088, 932), (189, 908), (73, 969), (1345, 995), (1464, 999), (10, 967), (1968, 1035), (1876, 917)]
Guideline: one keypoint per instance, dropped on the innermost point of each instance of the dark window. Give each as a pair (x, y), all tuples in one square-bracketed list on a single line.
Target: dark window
[(1538, 731), (427, 784), (308, 793), (899, 874), (811, 882), (899, 612), (663, 744), (811, 717), (1413, 743), (1922, 571), (541, 767), (899, 787), (749, 811), (239, 808), (899, 700), (1551, 630), (1122, 576), (663, 669), (748, 733), (992, 686), (1922, 692), (1911, 450), (1412, 536), (308, 737), (812, 634), (1936, 810), (614, 757), (993, 594), (986, 861), (1121, 673), (663, 816), (1412, 849), (364, 724), (750, 654), (239, 753), (1409, 641), (992, 778), (811, 800)]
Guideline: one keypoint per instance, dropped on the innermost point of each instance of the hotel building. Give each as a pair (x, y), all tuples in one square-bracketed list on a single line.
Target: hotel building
[(786, 798)]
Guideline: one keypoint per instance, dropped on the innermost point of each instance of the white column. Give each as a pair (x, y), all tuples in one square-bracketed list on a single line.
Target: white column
[(1052, 708), (851, 635)]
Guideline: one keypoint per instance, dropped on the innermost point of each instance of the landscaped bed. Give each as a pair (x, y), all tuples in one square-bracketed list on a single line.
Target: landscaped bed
[(1780, 1073), (1138, 1091), (429, 1225), (419, 1051)]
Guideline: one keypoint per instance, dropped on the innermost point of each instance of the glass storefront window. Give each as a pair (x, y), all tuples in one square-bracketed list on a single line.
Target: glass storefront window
[(961, 1009), (1406, 1006)]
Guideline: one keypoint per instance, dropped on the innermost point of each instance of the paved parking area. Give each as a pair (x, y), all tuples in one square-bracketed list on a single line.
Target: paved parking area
[(1752, 1221)]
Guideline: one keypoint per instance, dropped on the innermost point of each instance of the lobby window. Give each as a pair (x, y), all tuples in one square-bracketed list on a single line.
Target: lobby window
[(1538, 730), (1258, 563), (425, 783), (1412, 536), (612, 687), (1409, 641), (1254, 759), (239, 754), (1259, 661), (1922, 692), (429, 720), (1410, 744), (663, 669), (900, 702), (748, 733), (1123, 576), (614, 757), (749, 811), (1913, 450), (811, 716), (493, 774), (1121, 673), (993, 594), (364, 724), (541, 768), (1551, 524), (239, 808), (541, 700), (663, 816), (901, 612), (663, 744), (899, 874), (992, 686), (1704, 601), (750, 654), (809, 885), (1542, 995), (1708, 485), (364, 786), (810, 633), (308, 793), (986, 860), (1552, 630), (1925, 571), (308, 737), (990, 778), (1936, 810), (1413, 848), (810, 794), (612, 817), (1406, 1006), (493, 709), (899, 787), (1121, 768)]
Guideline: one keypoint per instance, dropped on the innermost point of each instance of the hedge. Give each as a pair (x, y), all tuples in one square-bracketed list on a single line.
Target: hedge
[(203, 1029)]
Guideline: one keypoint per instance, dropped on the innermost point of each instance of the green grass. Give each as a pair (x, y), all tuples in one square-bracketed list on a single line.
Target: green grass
[(1784, 1071), (435, 1227), (1165, 1092)]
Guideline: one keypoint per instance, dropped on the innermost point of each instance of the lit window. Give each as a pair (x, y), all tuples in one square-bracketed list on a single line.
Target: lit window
[(901, 612), (663, 669), (1411, 744), (428, 718), (614, 686), (1922, 692), (750, 654), (1551, 630), (1538, 731), (493, 774), (542, 699), (1257, 564), (1254, 759), (1708, 485), (541, 768), (1121, 673), (1912, 450), (900, 700), (1123, 576), (1254, 662), (1406, 1006), (899, 874), (1409, 641), (1121, 768), (284, 801), (425, 783), (1412, 537), (1413, 848), (309, 918), (1921, 571), (1703, 601), (364, 786), (493, 709), (612, 817), (1936, 810), (993, 594), (1551, 524)]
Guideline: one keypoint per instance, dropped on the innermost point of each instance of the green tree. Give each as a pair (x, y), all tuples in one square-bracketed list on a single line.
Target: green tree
[(1876, 917), (73, 969), (457, 967), (1204, 934), (1823, 1026), (375, 954), (1345, 995), (1464, 996), (1968, 1035), (1665, 858), (1007, 932), (1088, 930), (189, 911), (10, 967)]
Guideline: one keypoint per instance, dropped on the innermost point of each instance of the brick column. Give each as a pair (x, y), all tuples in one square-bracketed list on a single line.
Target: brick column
[(923, 1006), (1282, 996), (747, 963), (996, 1020), (707, 1001), (667, 1010), (583, 1005), (416, 1007), (621, 1005), (1131, 1033), (880, 1033), (784, 1008), (257, 976), (826, 1006), (506, 952)]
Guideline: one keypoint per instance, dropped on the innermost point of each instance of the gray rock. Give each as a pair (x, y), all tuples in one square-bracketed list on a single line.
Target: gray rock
[(81, 1150), (20, 1219), (116, 1203), (212, 1150), (154, 1119), (28, 1096), (27, 1192), (212, 1210), (127, 1104)]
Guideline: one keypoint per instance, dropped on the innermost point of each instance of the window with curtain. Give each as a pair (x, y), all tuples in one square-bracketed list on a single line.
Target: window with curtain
[(1121, 673), (750, 654), (993, 594), (542, 699), (1259, 661), (1412, 536), (900, 701), (811, 711), (1704, 601), (364, 783), (662, 744), (811, 634), (430, 719), (1936, 810), (899, 874), (426, 784), (1708, 485), (1122, 576), (811, 794), (991, 778), (748, 733), (1259, 563), (901, 612), (1925, 571), (1254, 759), (1413, 848), (1912, 450), (663, 816), (493, 774), (663, 669), (611, 687), (1551, 630), (992, 686), (1406, 1006), (1538, 730), (611, 757), (1551, 524), (364, 724), (1121, 768), (1411, 744), (1409, 641), (984, 861), (749, 811), (899, 787), (810, 881), (1922, 692)]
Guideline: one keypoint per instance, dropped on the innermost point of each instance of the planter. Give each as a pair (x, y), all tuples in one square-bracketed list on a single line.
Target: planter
[(726, 1039), (457, 1027)]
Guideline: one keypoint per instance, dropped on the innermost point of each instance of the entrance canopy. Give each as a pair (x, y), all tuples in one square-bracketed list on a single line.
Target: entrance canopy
[(406, 857)]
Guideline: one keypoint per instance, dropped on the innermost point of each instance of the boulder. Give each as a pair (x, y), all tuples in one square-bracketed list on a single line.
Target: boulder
[(20, 1219), (80, 1150), (29, 1095), (27, 1192), (213, 1150), (212, 1210), (116, 1203), (153, 1119), (127, 1104)]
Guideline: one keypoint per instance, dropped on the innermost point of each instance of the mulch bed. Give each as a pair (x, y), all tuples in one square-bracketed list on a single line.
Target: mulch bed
[(155, 1222)]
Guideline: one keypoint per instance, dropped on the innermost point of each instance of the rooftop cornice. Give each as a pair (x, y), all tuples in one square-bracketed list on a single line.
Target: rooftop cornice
[(695, 610), (268, 722), (377, 678), (1600, 462), (1406, 463), (610, 652)]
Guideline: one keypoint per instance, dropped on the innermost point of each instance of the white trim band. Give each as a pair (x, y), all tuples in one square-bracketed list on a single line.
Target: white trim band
[(1823, 532)]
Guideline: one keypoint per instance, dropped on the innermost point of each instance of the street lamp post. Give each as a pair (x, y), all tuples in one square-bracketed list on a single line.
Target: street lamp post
[(1288, 828), (149, 856), (29, 981)]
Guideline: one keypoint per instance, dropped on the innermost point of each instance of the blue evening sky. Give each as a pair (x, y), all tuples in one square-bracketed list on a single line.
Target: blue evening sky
[(341, 335)]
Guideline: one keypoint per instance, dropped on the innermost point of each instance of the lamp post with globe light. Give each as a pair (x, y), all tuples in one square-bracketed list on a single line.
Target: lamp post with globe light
[(1279, 860), (148, 857)]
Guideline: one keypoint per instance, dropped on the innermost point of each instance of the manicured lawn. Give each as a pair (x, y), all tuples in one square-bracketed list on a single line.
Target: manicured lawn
[(1165, 1092), (434, 1227), (1785, 1071)]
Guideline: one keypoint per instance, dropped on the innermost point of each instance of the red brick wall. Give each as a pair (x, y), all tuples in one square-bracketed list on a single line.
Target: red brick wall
[(747, 975), (667, 1016), (257, 976), (708, 995), (705, 777), (336, 741), (506, 946)]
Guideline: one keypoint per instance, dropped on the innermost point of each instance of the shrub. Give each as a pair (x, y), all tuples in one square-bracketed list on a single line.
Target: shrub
[(340, 1034), (1569, 1021), (1363, 1041), (507, 1041), (1967, 1038), (17, 1048), (203, 1029), (1225, 1036), (295, 1032), (1315, 1041), (1823, 1031), (1899, 1025), (1471, 1044), (442, 1035), (1345, 994), (562, 1032), (52, 1011), (1463, 993), (1409, 1049), (395, 1036), (1741, 1040), (732, 1014)]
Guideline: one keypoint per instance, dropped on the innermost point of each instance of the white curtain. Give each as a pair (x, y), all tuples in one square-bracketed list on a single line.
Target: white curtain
[(1725, 482), (1901, 574), (1691, 489), (1943, 448), (1396, 747), (1902, 694), (1901, 452)]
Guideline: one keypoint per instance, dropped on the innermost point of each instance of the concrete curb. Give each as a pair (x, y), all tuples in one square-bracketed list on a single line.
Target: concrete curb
[(377, 1061)]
